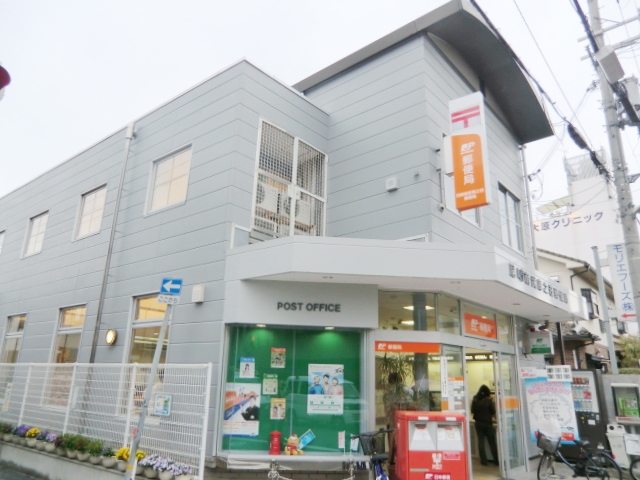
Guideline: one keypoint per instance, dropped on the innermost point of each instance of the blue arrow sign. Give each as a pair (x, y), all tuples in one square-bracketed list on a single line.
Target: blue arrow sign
[(171, 286)]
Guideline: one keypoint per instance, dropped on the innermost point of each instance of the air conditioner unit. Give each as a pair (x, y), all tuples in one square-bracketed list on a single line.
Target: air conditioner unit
[(303, 213), (265, 225), (267, 197)]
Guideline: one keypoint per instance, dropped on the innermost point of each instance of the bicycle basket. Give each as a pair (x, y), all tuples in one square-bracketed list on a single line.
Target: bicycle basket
[(548, 444), (372, 444)]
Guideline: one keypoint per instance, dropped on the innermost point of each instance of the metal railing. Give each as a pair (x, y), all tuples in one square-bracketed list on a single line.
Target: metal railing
[(103, 401)]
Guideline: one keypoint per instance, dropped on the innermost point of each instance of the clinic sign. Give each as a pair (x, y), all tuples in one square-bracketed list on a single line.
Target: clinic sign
[(469, 151), (621, 281)]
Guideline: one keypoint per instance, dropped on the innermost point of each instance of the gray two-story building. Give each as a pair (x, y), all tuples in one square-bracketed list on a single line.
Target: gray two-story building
[(316, 232)]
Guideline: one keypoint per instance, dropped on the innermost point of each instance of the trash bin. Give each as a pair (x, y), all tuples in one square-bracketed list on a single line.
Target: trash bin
[(615, 435)]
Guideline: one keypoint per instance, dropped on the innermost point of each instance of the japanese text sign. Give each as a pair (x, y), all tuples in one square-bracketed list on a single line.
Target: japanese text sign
[(480, 326), (621, 281), (404, 347), (469, 152)]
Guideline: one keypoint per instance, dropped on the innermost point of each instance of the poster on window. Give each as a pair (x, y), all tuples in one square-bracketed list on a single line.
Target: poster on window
[(278, 357), (270, 384), (241, 410), (278, 408), (550, 401), (326, 391), (247, 367)]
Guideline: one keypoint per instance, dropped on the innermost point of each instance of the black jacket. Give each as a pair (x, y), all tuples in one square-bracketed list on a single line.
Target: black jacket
[(483, 409)]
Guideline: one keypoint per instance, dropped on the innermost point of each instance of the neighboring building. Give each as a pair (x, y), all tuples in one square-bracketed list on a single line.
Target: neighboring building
[(319, 222), (587, 217), (585, 341)]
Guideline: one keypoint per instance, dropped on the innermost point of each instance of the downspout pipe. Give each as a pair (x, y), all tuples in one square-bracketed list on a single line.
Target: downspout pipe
[(587, 267), (529, 207), (130, 135)]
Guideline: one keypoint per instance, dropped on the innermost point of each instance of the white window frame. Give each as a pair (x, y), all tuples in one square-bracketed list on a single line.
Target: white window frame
[(28, 235), (152, 180), (83, 197), (60, 330), (2, 237), (294, 190), (135, 324), (8, 336), (503, 195), (448, 189)]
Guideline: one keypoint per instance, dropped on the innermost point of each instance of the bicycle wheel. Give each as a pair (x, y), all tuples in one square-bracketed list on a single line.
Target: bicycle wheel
[(602, 465), (634, 469), (546, 467)]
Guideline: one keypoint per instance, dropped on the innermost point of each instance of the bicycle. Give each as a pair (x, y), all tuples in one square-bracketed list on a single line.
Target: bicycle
[(371, 443), (634, 469), (590, 464)]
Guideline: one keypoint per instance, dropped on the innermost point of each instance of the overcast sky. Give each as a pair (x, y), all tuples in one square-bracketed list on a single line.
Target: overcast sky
[(83, 69)]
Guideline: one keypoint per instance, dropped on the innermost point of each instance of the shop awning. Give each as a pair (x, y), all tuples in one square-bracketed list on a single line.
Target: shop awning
[(482, 274)]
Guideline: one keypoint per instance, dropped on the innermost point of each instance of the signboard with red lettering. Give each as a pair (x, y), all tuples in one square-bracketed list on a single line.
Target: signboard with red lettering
[(469, 152), (479, 326)]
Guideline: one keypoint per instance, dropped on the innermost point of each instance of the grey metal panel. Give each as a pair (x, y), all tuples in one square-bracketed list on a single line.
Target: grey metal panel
[(459, 24)]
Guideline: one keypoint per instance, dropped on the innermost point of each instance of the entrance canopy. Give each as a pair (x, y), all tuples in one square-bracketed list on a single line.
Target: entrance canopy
[(482, 274)]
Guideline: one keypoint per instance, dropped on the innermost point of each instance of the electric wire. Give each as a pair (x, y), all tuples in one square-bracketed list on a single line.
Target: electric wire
[(544, 58), (626, 29)]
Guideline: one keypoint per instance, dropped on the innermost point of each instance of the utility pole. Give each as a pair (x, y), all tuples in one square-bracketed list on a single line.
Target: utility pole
[(620, 178)]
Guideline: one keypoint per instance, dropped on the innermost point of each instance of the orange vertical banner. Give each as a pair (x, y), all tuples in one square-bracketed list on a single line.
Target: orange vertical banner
[(468, 171)]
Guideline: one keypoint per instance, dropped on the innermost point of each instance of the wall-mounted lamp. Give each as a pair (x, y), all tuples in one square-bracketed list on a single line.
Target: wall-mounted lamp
[(110, 337)]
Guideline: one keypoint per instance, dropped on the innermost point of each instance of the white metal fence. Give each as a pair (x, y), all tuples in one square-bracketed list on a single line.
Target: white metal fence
[(103, 401)]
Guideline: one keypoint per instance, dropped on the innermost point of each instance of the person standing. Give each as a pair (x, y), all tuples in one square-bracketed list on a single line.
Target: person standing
[(483, 410)]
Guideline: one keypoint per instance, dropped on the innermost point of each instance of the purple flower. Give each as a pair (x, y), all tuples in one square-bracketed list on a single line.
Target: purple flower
[(50, 437), (21, 430)]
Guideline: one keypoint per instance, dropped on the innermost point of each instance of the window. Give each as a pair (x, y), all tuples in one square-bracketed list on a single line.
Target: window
[(1, 240), (510, 218), (69, 334), (290, 193), (170, 180), (35, 235), (592, 302), (301, 366), (91, 212), (13, 339), (472, 215), (147, 322)]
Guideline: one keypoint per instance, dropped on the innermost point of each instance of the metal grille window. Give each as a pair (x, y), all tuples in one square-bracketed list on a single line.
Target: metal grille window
[(170, 180), (69, 334), (13, 339), (147, 322), (472, 215), (290, 185), (510, 224), (91, 212), (35, 236)]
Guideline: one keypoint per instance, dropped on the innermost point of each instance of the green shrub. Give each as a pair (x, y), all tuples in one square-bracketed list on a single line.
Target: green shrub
[(629, 371), (6, 427), (95, 447)]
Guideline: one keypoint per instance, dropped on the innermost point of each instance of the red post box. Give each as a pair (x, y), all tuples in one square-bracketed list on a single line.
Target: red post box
[(275, 442), (431, 446)]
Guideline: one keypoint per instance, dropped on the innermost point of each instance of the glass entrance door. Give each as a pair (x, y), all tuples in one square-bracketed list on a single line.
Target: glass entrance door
[(510, 438)]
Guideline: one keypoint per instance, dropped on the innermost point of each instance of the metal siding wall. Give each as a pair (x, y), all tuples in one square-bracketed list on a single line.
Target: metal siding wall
[(387, 118)]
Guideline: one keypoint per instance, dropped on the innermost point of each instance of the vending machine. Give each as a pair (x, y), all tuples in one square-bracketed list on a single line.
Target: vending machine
[(588, 401), (431, 446)]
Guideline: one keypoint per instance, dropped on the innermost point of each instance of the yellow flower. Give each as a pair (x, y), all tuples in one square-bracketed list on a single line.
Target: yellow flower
[(32, 433), (123, 454)]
